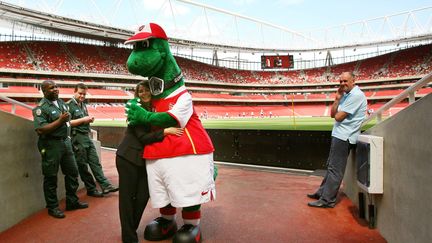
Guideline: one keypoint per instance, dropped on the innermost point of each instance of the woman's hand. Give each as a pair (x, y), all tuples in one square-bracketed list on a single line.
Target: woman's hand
[(173, 131)]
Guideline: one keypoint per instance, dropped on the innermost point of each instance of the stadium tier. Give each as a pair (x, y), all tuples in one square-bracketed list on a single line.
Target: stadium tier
[(13, 56), (20, 90), (73, 57), (216, 91)]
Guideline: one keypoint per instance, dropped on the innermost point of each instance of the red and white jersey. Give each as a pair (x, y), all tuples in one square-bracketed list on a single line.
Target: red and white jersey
[(194, 140)]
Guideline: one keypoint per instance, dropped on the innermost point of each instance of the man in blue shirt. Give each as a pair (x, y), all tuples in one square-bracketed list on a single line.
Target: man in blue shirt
[(348, 110)]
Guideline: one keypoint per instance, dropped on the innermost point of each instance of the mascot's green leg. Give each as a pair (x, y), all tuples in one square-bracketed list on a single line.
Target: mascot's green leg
[(190, 232)]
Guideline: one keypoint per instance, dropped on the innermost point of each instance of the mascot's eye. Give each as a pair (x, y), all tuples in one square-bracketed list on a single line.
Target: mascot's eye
[(141, 45)]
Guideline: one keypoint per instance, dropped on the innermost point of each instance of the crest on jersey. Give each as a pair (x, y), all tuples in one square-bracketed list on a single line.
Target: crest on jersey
[(156, 86)]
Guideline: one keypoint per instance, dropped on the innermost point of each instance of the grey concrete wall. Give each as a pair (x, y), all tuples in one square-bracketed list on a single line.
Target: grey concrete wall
[(21, 191), (404, 210), (21, 179)]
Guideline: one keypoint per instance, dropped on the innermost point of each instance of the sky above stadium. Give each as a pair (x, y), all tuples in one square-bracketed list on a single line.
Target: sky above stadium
[(302, 20), (297, 15)]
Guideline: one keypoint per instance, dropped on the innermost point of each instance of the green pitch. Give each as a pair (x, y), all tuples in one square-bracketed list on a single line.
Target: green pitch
[(278, 123)]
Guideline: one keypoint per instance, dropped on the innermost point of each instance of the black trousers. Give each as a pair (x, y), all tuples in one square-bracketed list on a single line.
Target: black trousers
[(86, 156), (133, 197), (55, 154)]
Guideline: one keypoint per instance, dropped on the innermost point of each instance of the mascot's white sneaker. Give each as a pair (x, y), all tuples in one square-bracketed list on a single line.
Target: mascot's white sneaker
[(188, 234), (160, 229)]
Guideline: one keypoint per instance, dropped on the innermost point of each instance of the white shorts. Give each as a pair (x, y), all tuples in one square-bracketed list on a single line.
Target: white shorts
[(182, 181)]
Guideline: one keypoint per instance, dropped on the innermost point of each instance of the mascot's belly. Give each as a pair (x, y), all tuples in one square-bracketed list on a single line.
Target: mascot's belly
[(194, 140)]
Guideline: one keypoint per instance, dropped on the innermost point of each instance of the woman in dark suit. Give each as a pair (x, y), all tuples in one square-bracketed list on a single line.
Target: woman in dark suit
[(133, 185)]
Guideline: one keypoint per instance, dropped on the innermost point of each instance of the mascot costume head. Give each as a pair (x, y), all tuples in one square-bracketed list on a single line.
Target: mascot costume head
[(180, 168)]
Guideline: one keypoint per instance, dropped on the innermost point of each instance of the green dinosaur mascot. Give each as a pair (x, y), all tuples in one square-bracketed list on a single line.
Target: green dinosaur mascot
[(180, 168)]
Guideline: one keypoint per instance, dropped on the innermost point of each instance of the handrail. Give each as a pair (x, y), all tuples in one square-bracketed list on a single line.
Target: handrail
[(410, 92), (15, 103)]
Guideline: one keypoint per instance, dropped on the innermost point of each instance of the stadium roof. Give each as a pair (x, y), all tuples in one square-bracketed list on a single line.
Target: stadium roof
[(407, 26), (23, 16)]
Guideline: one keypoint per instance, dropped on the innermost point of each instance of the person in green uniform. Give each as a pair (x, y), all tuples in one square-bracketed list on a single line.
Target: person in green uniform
[(51, 121), (84, 149)]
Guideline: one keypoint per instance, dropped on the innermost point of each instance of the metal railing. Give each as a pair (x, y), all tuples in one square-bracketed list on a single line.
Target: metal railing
[(409, 92), (16, 103)]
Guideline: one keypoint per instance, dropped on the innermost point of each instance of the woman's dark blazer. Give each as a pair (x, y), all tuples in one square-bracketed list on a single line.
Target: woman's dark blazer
[(136, 137)]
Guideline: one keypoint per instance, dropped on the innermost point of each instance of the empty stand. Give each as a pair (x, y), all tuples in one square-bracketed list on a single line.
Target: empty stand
[(107, 111), (106, 92), (50, 56), (225, 91), (73, 57), (14, 56), (391, 93), (20, 90)]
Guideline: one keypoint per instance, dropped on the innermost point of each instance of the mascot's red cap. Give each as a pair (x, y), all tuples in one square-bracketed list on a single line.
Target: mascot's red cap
[(147, 31)]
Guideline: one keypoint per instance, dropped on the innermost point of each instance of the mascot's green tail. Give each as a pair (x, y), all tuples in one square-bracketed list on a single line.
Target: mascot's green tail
[(215, 172)]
